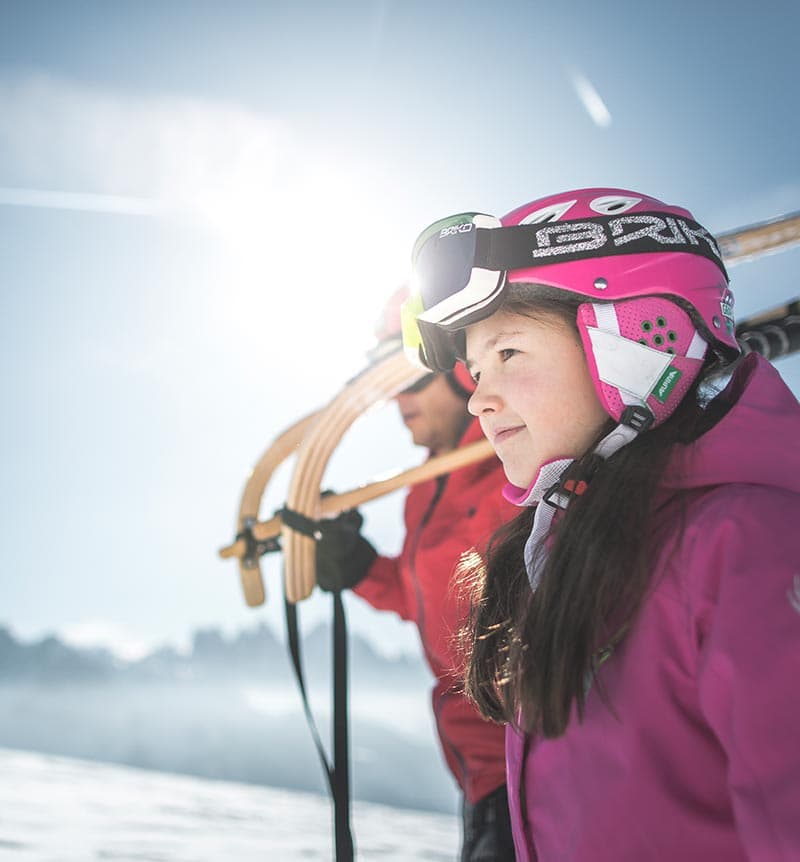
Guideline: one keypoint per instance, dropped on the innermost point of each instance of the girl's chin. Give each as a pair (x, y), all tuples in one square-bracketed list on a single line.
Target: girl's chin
[(517, 476)]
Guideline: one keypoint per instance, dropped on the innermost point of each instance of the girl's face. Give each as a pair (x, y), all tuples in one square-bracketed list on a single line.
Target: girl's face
[(535, 398)]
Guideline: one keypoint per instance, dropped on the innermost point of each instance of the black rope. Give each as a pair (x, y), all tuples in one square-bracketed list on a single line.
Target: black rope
[(298, 521), (337, 773), (341, 736)]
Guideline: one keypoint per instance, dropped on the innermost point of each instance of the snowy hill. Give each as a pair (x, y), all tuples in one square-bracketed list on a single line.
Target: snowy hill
[(55, 809)]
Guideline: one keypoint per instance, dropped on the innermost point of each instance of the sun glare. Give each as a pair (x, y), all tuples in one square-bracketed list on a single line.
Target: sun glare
[(304, 248), (305, 244)]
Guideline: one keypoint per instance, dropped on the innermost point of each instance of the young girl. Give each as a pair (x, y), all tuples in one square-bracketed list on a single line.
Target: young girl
[(638, 625)]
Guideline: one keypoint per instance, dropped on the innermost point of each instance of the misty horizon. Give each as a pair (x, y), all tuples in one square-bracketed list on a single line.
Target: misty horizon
[(228, 709)]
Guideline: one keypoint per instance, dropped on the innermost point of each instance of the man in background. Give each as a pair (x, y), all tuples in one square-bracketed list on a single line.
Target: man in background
[(444, 518)]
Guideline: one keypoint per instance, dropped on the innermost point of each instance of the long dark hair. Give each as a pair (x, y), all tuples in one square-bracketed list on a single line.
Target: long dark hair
[(529, 654)]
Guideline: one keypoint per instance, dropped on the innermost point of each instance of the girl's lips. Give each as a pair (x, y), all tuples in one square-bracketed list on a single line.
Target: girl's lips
[(505, 434)]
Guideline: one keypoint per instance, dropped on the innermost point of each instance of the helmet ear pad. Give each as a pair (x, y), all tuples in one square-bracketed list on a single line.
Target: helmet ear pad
[(644, 351)]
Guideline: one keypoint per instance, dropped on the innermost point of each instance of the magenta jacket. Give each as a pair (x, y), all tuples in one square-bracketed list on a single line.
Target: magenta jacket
[(701, 762)]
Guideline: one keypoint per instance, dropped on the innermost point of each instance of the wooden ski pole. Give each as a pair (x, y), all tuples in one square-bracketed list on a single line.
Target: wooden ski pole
[(761, 238)]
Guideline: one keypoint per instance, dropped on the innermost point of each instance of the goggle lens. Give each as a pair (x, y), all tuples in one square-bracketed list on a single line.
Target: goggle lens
[(443, 258)]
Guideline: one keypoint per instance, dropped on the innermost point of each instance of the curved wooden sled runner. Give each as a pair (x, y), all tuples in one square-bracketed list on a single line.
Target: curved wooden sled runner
[(282, 447)]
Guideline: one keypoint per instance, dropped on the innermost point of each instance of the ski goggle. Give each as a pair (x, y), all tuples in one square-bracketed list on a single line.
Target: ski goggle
[(460, 266), (446, 285)]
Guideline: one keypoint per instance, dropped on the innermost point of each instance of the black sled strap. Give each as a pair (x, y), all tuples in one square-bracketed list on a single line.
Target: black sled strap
[(338, 773)]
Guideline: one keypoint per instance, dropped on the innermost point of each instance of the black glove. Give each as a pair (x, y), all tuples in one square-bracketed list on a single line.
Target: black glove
[(343, 555)]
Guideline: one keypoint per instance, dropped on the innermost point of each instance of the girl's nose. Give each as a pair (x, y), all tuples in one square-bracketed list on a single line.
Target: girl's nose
[(482, 400)]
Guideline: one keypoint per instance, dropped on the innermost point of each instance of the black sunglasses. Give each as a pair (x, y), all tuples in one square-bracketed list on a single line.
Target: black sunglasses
[(421, 384)]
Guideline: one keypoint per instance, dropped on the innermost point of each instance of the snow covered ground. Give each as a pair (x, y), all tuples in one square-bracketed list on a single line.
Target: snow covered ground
[(57, 809)]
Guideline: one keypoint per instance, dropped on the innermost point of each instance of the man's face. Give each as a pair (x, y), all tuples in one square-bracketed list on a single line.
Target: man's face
[(435, 415)]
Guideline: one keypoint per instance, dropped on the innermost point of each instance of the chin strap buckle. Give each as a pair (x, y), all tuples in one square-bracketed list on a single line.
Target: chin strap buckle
[(573, 482), (638, 417)]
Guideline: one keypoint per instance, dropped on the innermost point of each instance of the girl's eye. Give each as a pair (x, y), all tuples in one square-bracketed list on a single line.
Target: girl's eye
[(476, 376), (506, 353)]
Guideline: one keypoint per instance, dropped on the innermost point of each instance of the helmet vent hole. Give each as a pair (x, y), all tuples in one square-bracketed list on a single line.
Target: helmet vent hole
[(658, 340), (647, 325), (671, 350), (672, 335), (643, 341), (661, 321)]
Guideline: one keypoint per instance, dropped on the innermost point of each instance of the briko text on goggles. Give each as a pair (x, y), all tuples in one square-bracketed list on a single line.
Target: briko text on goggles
[(460, 264)]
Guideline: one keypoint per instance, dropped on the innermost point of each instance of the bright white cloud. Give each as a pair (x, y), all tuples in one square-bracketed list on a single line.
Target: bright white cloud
[(591, 100), (124, 205), (96, 145)]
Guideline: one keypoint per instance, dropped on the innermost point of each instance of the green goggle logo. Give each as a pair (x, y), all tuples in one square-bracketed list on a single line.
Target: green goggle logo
[(460, 223)]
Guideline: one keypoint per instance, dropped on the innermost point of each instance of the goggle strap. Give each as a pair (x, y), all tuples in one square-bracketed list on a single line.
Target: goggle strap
[(524, 246)]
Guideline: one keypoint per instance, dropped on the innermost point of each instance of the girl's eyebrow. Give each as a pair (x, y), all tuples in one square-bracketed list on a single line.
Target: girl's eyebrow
[(491, 342)]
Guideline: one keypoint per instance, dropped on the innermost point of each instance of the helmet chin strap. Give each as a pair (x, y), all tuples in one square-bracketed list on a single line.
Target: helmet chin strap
[(556, 484), (541, 494)]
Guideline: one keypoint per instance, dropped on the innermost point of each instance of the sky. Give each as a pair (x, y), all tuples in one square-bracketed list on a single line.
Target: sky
[(204, 205)]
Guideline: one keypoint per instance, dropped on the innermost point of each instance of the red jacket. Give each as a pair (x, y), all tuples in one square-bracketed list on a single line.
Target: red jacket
[(445, 517)]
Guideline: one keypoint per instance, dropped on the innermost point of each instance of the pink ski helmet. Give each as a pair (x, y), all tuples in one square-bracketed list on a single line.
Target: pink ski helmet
[(655, 285), (671, 268)]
